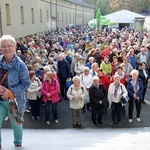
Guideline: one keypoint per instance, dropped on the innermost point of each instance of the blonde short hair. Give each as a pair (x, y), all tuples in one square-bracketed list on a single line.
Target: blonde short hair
[(49, 75), (86, 69), (7, 38)]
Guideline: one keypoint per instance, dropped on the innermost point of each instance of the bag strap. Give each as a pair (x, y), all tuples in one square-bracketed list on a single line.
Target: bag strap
[(5, 75), (121, 90)]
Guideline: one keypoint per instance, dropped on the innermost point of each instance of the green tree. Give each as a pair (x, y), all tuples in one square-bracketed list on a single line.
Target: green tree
[(145, 4), (98, 17), (132, 5), (104, 6)]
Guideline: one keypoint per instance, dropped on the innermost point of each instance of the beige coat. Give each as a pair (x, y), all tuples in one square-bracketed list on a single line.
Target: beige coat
[(76, 97), (34, 90)]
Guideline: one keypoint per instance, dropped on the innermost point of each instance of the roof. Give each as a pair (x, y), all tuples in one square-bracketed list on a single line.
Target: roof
[(124, 16), (80, 2)]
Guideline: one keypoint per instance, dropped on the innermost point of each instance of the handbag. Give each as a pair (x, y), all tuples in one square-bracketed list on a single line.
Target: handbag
[(124, 100), (68, 83), (14, 110)]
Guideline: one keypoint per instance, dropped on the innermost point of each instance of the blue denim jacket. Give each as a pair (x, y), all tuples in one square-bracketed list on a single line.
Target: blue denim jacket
[(18, 79)]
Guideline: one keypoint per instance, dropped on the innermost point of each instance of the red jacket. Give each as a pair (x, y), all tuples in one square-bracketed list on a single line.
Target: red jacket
[(105, 52), (52, 88), (114, 68), (122, 80), (104, 80)]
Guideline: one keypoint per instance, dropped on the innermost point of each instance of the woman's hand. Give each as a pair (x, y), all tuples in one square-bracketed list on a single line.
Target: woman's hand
[(134, 95), (2, 89), (48, 94), (5, 94), (100, 102)]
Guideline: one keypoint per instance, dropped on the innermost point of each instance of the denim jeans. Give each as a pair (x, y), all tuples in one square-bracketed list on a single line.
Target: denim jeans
[(47, 110), (116, 110), (35, 107), (17, 129)]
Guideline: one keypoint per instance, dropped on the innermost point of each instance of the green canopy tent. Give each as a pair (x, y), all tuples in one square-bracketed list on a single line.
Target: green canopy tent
[(99, 21), (103, 21)]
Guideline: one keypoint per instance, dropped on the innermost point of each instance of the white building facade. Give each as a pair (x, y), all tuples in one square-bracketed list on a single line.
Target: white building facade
[(22, 18)]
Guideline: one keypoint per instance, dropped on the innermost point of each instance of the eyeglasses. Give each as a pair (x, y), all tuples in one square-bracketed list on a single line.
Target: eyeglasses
[(7, 47)]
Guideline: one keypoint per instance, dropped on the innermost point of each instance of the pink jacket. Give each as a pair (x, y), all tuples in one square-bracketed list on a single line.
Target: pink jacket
[(52, 88)]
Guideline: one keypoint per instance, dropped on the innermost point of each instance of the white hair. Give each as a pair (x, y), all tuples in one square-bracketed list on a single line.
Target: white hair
[(7, 38), (91, 58), (95, 78), (47, 68), (134, 72), (76, 77), (116, 76), (94, 64)]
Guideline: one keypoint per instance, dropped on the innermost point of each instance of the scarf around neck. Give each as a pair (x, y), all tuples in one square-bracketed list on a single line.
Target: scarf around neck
[(8, 66)]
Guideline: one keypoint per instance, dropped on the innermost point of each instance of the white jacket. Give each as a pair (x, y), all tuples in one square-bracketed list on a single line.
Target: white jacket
[(111, 91), (34, 90), (87, 81), (76, 97), (79, 68)]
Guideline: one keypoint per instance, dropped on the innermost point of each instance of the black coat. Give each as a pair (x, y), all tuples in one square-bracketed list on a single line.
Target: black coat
[(142, 77), (63, 69), (97, 94)]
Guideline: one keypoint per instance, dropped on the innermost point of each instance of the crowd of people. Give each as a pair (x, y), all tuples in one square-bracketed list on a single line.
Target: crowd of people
[(92, 70)]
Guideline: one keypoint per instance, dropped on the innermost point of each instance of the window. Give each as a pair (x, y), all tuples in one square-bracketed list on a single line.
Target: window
[(62, 16), (73, 17), (47, 16), (66, 16), (57, 16), (40, 15), (22, 14), (8, 19), (70, 16), (32, 12)]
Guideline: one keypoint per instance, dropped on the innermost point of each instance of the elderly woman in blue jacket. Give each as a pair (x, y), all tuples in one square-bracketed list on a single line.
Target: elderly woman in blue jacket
[(135, 93), (15, 81)]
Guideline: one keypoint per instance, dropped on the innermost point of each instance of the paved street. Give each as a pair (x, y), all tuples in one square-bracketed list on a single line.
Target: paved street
[(65, 121), (86, 139), (129, 136)]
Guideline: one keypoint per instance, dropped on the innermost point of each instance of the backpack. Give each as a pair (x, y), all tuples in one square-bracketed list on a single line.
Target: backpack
[(81, 88)]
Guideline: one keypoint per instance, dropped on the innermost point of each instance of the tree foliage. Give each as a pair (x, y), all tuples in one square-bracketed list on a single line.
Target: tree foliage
[(108, 6), (132, 5), (104, 6)]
